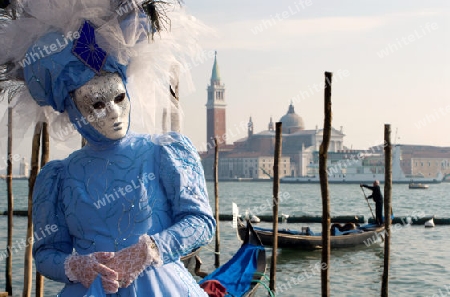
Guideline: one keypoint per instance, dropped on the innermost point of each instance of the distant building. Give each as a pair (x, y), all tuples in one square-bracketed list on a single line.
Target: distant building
[(24, 171), (421, 160), (252, 157), (24, 168), (216, 107)]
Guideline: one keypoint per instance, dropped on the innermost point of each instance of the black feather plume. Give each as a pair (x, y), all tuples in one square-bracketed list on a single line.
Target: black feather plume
[(4, 3), (156, 13)]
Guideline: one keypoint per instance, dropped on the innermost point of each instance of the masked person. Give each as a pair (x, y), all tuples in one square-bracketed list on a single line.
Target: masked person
[(126, 206)]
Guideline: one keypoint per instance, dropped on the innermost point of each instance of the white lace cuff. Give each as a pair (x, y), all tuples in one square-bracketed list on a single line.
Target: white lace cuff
[(69, 273), (153, 256)]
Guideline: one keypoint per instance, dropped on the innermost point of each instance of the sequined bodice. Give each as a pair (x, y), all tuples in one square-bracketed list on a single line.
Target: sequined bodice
[(111, 197)]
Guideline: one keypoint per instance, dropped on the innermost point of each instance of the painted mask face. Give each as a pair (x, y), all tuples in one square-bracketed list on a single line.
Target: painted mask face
[(104, 103)]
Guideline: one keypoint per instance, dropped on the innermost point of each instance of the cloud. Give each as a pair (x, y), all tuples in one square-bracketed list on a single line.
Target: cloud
[(273, 33), (278, 30), (416, 14)]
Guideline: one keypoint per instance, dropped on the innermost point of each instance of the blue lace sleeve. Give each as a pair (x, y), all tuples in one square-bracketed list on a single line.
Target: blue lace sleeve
[(181, 175), (52, 242)]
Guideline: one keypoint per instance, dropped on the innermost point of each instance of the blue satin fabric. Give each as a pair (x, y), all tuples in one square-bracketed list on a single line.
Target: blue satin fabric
[(51, 75), (96, 288), (102, 198)]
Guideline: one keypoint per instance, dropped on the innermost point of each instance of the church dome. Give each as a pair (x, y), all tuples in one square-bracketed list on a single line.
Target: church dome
[(292, 122)]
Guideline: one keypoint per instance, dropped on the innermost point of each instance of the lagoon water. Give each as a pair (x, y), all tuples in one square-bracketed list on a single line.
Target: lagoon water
[(420, 262)]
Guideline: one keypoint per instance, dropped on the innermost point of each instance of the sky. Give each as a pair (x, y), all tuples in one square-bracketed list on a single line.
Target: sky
[(390, 63), (389, 59)]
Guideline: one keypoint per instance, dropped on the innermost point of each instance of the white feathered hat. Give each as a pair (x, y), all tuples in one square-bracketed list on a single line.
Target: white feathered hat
[(154, 41)]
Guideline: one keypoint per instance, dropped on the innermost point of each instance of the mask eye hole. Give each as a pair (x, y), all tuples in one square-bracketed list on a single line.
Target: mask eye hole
[(119, 98), (99, 105)]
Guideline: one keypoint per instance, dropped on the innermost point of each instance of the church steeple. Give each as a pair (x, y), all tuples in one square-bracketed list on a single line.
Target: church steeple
[(250, 128), (215, 75), (215, 107), (271, 126)]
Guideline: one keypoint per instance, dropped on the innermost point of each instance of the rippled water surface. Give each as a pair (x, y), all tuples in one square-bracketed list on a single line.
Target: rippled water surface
[(419, 262)]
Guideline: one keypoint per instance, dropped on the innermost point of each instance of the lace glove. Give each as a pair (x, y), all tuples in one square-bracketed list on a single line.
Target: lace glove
[(131, 261), (84, 269)]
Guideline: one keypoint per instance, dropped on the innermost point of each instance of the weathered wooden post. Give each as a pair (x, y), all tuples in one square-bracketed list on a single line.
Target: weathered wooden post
[(28, 262), (326, 217), (175, 98), (216, 198), (8, 271), (6, 5), (387, 207), (164, 121), (44, 159), (174, 124), (3, 294), (276, 186)]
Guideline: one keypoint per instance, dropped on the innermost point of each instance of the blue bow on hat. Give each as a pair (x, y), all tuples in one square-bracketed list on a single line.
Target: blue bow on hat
[(53, 69)]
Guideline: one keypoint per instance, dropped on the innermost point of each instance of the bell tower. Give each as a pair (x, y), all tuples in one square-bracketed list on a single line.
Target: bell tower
[(250, 128), (215, 108)]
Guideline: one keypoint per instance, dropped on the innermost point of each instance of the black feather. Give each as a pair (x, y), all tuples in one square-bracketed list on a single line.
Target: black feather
[(4, 3), (156, 13)]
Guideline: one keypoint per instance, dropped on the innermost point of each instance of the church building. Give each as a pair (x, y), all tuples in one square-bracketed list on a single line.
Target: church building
[(252, 157)]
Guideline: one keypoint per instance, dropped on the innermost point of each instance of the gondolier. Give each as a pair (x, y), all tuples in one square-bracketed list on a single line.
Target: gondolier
[(378, 199)]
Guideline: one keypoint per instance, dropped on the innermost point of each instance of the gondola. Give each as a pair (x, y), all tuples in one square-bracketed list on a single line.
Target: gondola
[(189, 259), (245, 271), (193, 262), (308, 240)]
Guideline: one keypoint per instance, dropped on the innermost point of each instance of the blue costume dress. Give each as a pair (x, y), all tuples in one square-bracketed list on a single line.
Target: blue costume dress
[(104, 196)]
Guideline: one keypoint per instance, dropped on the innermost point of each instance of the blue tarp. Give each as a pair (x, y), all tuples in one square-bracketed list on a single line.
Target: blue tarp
[(284, 231), (237, 274)]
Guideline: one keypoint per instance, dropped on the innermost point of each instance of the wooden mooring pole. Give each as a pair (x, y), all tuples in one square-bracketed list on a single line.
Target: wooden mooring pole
[(216, 197), (326, 217), (28, 262), (175, 98), (8, 271), (387, 207), (276, 186), (3, 294), (45, 157)]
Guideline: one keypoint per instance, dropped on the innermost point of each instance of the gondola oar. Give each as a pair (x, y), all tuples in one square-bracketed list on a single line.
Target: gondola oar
[(373, 216)]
